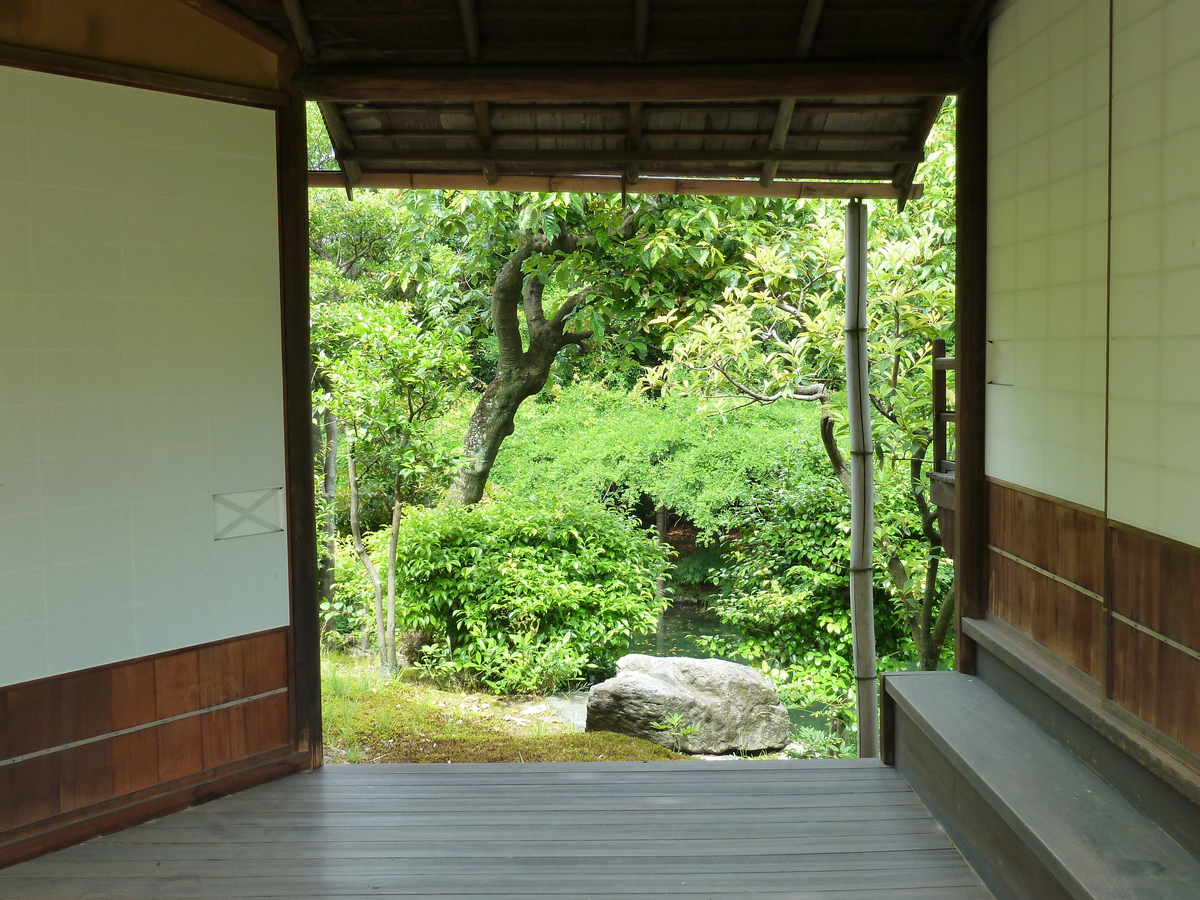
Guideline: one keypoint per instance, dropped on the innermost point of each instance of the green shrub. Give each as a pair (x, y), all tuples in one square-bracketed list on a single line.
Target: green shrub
[(522, 597)]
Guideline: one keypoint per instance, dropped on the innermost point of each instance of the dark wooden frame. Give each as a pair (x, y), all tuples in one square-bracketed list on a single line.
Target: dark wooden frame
[(970, 351), (297, 391)]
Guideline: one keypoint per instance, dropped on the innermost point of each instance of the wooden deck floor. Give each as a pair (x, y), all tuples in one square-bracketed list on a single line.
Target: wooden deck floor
[(803, 830)]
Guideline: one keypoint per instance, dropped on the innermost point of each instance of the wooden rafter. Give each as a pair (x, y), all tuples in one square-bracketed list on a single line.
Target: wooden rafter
[(339, 134), (836, 78), (905, 172), (615, 184), (625, 157), (240, 23), (787, 106), (972, 26), (641, 29), (469, 17), (464, 107), (634, 138), (300, 30)]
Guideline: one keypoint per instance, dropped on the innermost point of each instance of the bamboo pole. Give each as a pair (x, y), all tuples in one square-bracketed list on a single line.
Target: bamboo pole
[(862, 482)]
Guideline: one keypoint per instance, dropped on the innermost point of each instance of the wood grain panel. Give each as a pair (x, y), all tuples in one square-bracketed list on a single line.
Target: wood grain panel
[(85, 775), (34, 788), (33, 717), (56, 792), (265, 661), (221, 669), (267, 723), (1157, 583), (135, 761), (224, 736), (180, 751), (84, 709), (177, 684), (1052, 535), (1157, 683), (1063, 620)]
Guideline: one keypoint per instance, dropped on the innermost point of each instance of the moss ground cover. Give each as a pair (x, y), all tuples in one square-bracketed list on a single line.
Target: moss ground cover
[(370, 719)]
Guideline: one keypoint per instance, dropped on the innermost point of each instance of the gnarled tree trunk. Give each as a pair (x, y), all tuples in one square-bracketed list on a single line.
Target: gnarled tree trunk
[(521, 371)]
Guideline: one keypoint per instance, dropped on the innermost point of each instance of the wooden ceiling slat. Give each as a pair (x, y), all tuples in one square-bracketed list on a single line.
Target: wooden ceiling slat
[(624, 84)]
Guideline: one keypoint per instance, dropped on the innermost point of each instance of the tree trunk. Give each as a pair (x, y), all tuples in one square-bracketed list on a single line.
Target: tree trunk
[(361, 549), (660, 524), (327, 560), (520, 371)]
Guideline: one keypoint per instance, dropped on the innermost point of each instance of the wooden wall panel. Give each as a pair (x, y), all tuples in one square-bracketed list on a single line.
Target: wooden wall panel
[(1157, 683), (1156, 583), (78, 744), (1047, 575), (1055, 536), (1061, 619)]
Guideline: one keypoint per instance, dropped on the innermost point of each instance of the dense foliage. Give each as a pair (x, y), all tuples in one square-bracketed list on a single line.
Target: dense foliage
[(526, 597)]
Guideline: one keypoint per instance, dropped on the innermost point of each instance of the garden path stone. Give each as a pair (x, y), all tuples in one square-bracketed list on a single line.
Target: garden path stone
[(698, 706)]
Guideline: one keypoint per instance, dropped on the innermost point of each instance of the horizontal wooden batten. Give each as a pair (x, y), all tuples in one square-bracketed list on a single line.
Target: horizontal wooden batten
[(116, 73), (602, 184), (750, 81), (78, 745), (1046, 573), (1055, 613), (641, 155), (1157, 682), (1057, 537)]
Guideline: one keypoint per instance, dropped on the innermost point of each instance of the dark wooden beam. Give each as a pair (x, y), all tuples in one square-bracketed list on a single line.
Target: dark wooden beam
[(625, 157), (808, 28), (779, 136), (305, 693), (787, 106), (116, 73), (612, 184), (470, 29), (973, 23), (611, 134), (905, 172), (625, 84), (641, 28), (483, 130), (339, 137), (633, 138), (970, 351), (463, 107), (243, 25), (300, 30)]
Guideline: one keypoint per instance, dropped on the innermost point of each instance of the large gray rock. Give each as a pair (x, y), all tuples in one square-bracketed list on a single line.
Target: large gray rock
[(690, 705)]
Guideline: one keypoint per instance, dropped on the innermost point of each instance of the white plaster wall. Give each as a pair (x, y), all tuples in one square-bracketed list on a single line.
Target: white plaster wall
[(1047, 245), (1154, 412), (139, 371)]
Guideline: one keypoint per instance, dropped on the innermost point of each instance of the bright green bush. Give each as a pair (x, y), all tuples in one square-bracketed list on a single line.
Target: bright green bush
[(522, 597)]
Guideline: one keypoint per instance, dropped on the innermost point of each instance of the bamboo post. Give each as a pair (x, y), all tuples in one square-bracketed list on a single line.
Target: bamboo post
[(862, 482)]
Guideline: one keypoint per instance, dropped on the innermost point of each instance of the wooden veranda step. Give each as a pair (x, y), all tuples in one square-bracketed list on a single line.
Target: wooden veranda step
[(1031, 818)]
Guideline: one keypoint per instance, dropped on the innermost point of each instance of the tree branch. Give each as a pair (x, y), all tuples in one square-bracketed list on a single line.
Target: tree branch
[(840, 467)]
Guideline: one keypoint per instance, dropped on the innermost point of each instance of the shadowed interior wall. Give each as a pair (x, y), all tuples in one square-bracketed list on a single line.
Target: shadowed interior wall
[(146, 654), (139, 355), (1093, 461)]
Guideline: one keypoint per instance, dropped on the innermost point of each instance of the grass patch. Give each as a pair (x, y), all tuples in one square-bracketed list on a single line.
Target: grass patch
[(370, 719)]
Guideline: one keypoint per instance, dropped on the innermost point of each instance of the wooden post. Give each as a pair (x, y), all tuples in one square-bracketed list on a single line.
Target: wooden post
[(970, 336), (292, 154), (862, 482)]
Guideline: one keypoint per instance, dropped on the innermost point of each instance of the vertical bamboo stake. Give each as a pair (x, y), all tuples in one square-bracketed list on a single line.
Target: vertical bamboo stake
[(862, 482)]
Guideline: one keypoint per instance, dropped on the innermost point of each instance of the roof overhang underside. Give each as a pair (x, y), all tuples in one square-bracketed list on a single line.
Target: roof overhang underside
[(755, 97)]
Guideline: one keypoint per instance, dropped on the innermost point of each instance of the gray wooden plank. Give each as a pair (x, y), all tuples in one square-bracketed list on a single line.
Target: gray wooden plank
[(447, 846), (533, 883), (850, 822), (914, 855)]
